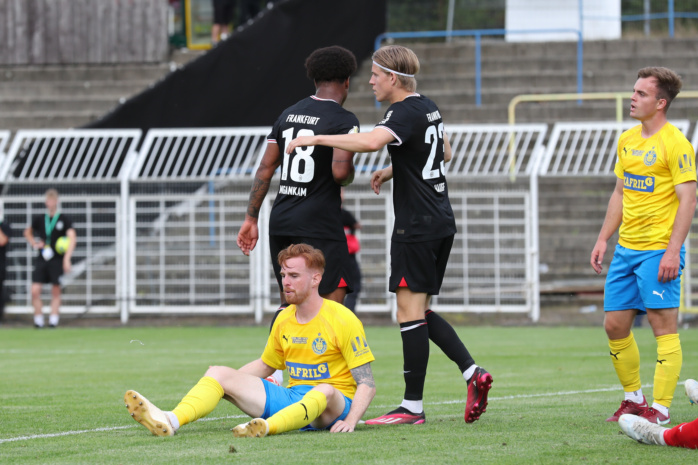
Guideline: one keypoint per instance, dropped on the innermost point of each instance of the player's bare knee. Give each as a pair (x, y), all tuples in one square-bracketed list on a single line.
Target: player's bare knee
[(326, 389), (219, 373), (616, 329)]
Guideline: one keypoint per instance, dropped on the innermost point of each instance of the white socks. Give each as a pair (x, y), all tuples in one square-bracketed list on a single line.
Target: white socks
[(661, 409), (634, 396), (278, 375), (414, 406), (173, 420), (467, 374), (52, 320)]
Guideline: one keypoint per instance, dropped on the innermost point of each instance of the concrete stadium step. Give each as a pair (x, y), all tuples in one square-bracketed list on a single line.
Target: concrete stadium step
[(33, 89), (94, 103), (460, 48), (85, 73), (47, 119)]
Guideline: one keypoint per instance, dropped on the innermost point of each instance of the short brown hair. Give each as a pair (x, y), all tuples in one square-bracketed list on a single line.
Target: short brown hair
[(314, 258), (52, 193), (668, 82), (400, 59)]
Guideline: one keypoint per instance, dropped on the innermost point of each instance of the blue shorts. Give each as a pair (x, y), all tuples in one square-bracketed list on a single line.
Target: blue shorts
[(632, 282), (279, 398)]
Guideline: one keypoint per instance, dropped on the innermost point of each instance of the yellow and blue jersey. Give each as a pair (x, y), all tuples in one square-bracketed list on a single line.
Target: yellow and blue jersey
[(650, 168), (323, 350)]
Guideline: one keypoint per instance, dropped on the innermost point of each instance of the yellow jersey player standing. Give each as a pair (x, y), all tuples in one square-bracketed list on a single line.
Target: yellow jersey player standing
[(653, 204), (322, 344)]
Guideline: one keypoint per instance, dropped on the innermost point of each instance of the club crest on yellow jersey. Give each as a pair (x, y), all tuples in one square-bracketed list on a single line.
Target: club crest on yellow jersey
[(319, 345), (650, 157)]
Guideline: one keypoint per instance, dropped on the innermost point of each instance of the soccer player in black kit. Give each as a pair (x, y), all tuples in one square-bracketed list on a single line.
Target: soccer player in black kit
[(424, 228), (307, 208)]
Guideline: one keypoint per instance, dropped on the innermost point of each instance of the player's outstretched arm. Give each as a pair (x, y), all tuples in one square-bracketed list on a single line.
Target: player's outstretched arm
[(365, 391), (357, 142), (249, 231), (381, 176), (614, 216), (671, 260)]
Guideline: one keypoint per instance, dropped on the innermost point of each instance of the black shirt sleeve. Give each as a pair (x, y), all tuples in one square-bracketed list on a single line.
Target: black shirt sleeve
[(399, 122)]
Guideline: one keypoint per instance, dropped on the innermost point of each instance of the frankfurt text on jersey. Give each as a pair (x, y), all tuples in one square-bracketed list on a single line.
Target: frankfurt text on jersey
[(303, 119), (433, 116)]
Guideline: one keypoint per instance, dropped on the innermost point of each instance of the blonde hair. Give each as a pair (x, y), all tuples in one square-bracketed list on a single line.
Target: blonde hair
[(400, 59), (52, 193)]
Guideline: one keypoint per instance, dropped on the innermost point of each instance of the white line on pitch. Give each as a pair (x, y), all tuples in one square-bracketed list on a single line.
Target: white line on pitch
[(518, 396), (98, 430)]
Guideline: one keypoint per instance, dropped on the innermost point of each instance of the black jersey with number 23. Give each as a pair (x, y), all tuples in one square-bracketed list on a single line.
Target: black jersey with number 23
[(422, 209), (308, 202)]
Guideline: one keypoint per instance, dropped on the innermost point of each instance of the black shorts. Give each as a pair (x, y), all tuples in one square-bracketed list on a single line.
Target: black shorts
[(223, 11), (48, 272), (336, 260), (419, 266)]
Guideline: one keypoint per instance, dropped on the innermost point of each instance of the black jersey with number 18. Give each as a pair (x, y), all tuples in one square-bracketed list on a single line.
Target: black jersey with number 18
[(420, 198), (308, 202)]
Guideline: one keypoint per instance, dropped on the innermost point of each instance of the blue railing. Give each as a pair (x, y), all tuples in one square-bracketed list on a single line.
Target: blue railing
[(478, 33)]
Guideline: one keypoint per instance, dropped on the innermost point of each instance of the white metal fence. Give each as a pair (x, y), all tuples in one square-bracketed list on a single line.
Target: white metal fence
[(157, 217)]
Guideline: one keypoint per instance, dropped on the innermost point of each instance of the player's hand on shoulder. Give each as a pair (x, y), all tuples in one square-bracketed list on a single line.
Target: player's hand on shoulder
[(302, 141), (341, 426)]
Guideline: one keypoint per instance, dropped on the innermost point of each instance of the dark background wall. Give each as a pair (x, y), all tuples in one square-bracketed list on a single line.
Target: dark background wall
[(250, 78)]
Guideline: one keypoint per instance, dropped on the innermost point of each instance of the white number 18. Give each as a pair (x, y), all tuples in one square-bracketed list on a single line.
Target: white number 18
[(300, 154)]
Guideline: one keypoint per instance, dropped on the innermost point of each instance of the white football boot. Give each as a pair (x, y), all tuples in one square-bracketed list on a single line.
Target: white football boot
[(148, 415), (642, 430)]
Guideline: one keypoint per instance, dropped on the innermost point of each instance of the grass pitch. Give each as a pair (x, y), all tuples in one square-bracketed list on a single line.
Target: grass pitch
[(61, 400)]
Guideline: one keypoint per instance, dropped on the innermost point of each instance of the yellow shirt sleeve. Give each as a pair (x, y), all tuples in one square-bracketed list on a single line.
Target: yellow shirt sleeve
[(273, 354), (681, 160), (355, 347)]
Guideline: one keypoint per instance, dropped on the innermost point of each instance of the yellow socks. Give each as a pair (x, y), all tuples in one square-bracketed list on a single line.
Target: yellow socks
[(626, 360), (668, 369), (199, 401), (298, 415)]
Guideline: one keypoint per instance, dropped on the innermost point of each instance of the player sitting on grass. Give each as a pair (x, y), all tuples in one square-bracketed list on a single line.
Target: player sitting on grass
[(321, 342), (683, 435)]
